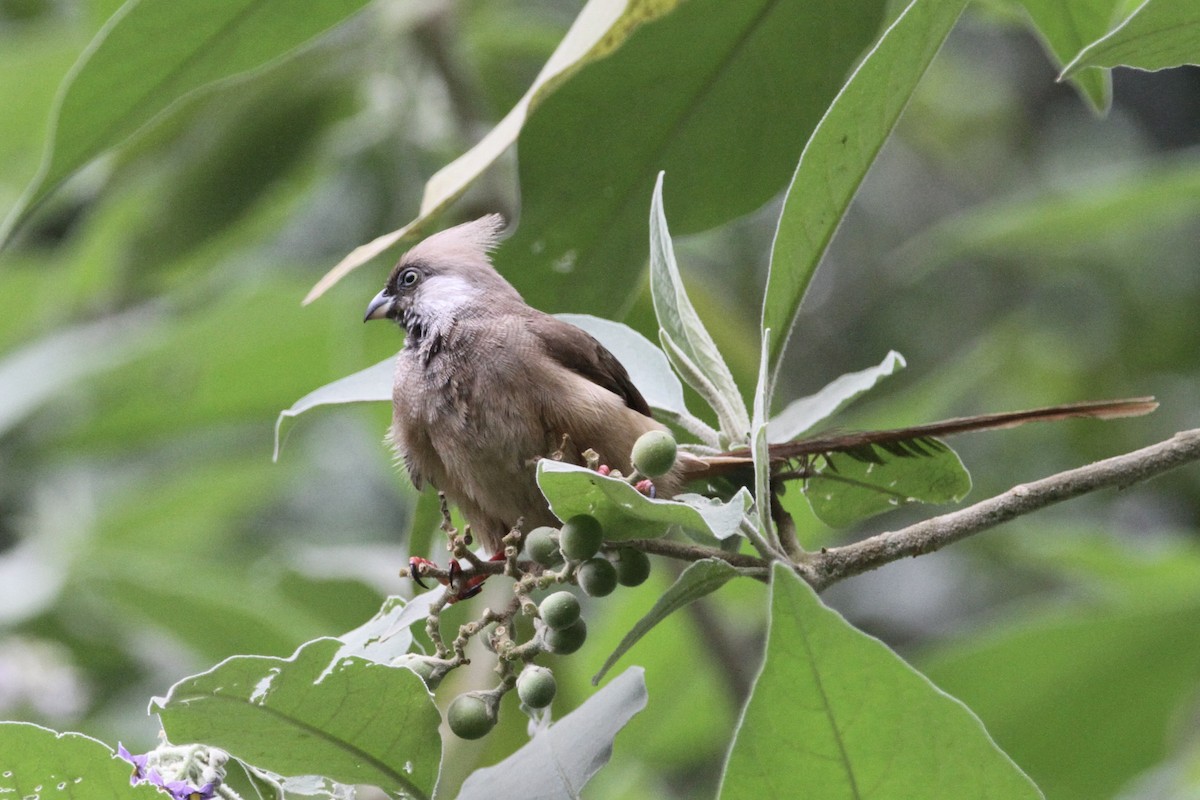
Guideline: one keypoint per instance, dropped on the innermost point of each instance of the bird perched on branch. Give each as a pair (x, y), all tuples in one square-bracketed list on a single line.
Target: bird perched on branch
[(486, 385)]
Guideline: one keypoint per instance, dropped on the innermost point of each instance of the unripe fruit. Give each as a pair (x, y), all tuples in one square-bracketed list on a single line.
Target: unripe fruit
[(536, 686), (633, 567), (580, 538), (559, 610), (470, 717), (420, 665), (542, 546), (568, 640), (654, 453), (597, 576)]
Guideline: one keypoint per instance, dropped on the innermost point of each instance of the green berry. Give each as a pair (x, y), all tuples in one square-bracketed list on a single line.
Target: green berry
[(420, 665), (580, 538), (654, 453), (542, 546), (559, 610), (536, 686), (633, 567), (597, 576), (567, 640), (470, 716)]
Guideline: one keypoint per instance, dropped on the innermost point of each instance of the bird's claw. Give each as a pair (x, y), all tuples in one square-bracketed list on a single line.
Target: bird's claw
[(459, 584), (646, 487)]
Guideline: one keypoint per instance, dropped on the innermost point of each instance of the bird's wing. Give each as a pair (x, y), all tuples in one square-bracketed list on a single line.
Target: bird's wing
[(579, 352)]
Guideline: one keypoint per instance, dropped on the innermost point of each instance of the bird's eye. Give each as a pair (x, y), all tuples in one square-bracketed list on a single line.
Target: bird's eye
[(408, 277)]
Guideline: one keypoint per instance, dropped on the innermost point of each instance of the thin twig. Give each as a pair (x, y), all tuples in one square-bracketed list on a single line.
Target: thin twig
[(694, 552), (838, 563)]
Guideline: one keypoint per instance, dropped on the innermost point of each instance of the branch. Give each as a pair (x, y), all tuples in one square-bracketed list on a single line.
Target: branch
[(753, 565), (834, 564)]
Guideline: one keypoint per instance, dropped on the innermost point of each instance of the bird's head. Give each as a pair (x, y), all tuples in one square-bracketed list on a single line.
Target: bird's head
[(441, 277)]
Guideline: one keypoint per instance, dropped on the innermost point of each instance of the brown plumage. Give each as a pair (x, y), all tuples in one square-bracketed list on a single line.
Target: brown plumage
[(487, 385)]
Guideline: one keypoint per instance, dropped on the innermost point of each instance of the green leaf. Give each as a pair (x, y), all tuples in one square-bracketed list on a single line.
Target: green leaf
[(39, 762), (840, 151), (386, 635), (835, 714), (699, 579), (724, 519), (848, 487), (1122, 673), (557, 762), (623, 511), (1160, 34), (1136, 198), (801, 415), (47, 368), (316, 713), (683, 333), (724, 95), (367, 385), (1066, 28), (759, 449), (601, 27), (151, 54)]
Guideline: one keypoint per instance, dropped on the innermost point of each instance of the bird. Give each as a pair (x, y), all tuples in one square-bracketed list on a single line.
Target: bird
[(487, 385)]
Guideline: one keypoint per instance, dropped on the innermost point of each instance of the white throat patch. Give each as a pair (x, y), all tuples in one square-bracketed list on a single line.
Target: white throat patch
[(441, 296), (445, 294)]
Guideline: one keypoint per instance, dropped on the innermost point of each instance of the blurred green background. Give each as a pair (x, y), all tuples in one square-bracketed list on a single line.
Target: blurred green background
[(1017, 249)]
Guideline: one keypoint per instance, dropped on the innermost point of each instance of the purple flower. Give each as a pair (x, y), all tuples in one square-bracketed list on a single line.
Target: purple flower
[(179, 790), (139, 764)]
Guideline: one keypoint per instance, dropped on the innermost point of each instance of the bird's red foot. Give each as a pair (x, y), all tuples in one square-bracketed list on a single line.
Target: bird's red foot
[(604, 469), (646, 487), (461, 585)]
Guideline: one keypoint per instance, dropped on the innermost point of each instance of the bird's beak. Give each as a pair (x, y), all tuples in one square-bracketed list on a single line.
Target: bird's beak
[(378, 307)]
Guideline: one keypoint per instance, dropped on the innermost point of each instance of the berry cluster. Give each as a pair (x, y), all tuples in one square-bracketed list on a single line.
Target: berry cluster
[(575, 554)]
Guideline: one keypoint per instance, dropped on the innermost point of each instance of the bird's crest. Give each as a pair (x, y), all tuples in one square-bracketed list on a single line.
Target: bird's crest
[(469, 242)]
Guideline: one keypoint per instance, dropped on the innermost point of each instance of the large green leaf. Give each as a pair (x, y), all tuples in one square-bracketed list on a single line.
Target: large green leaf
[(722, 95), (40, 763), (319, 712), (372, 384), (45, 369), (1160, 34), (557, 762), (699, 579), (1084, 698), (151, 54), (1067, 28), (601, 27), (802, 414), (626, 513), (846, 488), (840, 151), (688, 344), (836, 714)]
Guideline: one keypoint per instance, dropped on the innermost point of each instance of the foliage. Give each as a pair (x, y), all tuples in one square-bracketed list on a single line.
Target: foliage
[(197, 179)]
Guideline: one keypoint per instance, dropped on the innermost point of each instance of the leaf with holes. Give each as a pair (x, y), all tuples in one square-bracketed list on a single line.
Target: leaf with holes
[(316, 713), (69, 766)]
